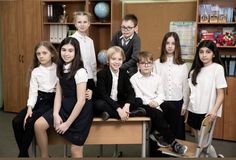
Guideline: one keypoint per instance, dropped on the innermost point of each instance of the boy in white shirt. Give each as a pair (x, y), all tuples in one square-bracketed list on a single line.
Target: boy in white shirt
[(148, 87)]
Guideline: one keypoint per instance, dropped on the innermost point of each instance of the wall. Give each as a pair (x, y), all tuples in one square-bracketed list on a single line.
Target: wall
[(155, 16)]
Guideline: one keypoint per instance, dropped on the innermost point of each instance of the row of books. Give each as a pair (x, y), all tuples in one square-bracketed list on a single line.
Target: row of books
[(58, 33), (230, 64), (54, 12)]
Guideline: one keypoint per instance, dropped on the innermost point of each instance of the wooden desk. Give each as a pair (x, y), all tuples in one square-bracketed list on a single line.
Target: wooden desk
[(112, 131)]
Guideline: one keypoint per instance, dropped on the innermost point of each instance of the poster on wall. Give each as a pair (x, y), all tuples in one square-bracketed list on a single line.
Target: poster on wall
[(186, 31)]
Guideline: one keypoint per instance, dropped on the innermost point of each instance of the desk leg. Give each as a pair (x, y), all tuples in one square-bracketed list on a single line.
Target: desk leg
[(144, 140)]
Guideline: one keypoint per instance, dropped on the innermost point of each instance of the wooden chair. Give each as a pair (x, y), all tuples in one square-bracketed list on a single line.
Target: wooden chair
[(195, 149)]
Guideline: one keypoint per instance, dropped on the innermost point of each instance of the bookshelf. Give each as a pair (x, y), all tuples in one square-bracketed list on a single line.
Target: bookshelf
[(216, 22), (101, 30)]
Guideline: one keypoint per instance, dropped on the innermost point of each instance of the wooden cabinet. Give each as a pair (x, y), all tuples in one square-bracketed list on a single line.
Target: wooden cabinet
[(213, 25), (21, 30), (100, 31)]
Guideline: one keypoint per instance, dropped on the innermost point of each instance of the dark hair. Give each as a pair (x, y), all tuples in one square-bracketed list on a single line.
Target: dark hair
[(177, 53), (35, 62), (197, 63), (132, 18), (76, 62), (146, 55)]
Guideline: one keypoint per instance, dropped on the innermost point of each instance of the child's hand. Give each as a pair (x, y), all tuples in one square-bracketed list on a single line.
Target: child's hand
[(122, 113), (153, 104), (126, 108), (88, 94), (62, 128), (28, 114), (212, 114), (57, 121)]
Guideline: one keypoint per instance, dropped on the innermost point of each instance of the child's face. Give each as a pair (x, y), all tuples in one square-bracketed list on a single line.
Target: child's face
[(82, 23), (170, 45), (127, 28), (206, 55), (67, 53), (115, 61), (44, 56), (145, 66)]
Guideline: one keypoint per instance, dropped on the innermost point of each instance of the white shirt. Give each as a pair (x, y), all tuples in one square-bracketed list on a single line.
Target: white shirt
[(42, 79), (203, 95), (148, 88), (114, 88), (80, 76), (175, 80), (88, 54)]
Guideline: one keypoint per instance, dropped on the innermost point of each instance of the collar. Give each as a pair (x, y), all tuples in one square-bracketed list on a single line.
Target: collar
[(131, 37), (66, 68), (113, 73), (140, 75), (51, 67)]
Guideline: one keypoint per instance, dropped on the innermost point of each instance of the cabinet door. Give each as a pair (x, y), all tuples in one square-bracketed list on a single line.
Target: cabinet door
[(31, 35), (12, 57), (230, 110)]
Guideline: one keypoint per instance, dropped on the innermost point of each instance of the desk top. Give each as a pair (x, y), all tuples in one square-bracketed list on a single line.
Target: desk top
[(97, 119)]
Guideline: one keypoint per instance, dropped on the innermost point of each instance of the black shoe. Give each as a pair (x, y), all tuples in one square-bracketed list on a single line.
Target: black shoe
[(105, 116), (179, 148), (159, 139), (138, 112)]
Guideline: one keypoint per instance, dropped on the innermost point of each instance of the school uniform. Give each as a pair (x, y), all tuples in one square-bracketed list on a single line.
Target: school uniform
[(41, 97), (89, 57), (110, 96), (131, 48), (151, 88), (78, 131), (203, 94), (176, 89)]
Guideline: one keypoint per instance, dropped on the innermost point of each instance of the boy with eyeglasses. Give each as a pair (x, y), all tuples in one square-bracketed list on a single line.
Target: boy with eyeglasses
[(149, 87), (128, 39)]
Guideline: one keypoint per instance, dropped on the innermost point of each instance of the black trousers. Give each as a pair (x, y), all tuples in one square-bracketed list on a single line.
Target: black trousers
[(179, 128), (163, 122), (102, 106), (24, 136)]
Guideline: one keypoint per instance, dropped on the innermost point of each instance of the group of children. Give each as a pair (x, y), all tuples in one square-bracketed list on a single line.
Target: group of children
[(65, 90)]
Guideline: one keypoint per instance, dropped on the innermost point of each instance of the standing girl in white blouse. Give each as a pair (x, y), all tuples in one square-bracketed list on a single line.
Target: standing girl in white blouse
[(41, 95), (82, 23), (207, 83), (174, 73)]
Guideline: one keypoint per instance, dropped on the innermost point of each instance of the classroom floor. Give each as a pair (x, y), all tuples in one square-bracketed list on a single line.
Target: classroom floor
[(9, 148)]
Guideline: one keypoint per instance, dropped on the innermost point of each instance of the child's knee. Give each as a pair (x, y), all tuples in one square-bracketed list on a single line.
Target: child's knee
[(76, 151), (40, 124)]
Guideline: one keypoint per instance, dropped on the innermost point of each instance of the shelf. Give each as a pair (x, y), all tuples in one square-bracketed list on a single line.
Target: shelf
[(57, 23), (100, 23), (208, 23), (63, 1), (228, 47)]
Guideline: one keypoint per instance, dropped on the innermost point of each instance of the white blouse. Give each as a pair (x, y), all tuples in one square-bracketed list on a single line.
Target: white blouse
[(42, 79), (203, 95), (175, 80), (88, 54)]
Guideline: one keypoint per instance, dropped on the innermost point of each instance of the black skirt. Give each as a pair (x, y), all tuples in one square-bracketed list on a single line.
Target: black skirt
[(195, 120)]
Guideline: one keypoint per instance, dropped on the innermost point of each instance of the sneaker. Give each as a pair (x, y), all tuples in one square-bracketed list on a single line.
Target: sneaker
[(105, 116), (139, 112), (220, 156), (159, 139), (179, 148)]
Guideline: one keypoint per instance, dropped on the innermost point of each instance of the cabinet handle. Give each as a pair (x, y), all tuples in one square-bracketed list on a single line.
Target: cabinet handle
[(19, 57), (22, 59)]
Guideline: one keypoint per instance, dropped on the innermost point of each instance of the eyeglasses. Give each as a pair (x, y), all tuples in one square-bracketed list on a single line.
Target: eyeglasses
[(123, 28), (148, 64)]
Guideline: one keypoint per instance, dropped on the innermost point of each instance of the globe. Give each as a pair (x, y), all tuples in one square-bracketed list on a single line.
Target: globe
[(102, 57), (102, 10)]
